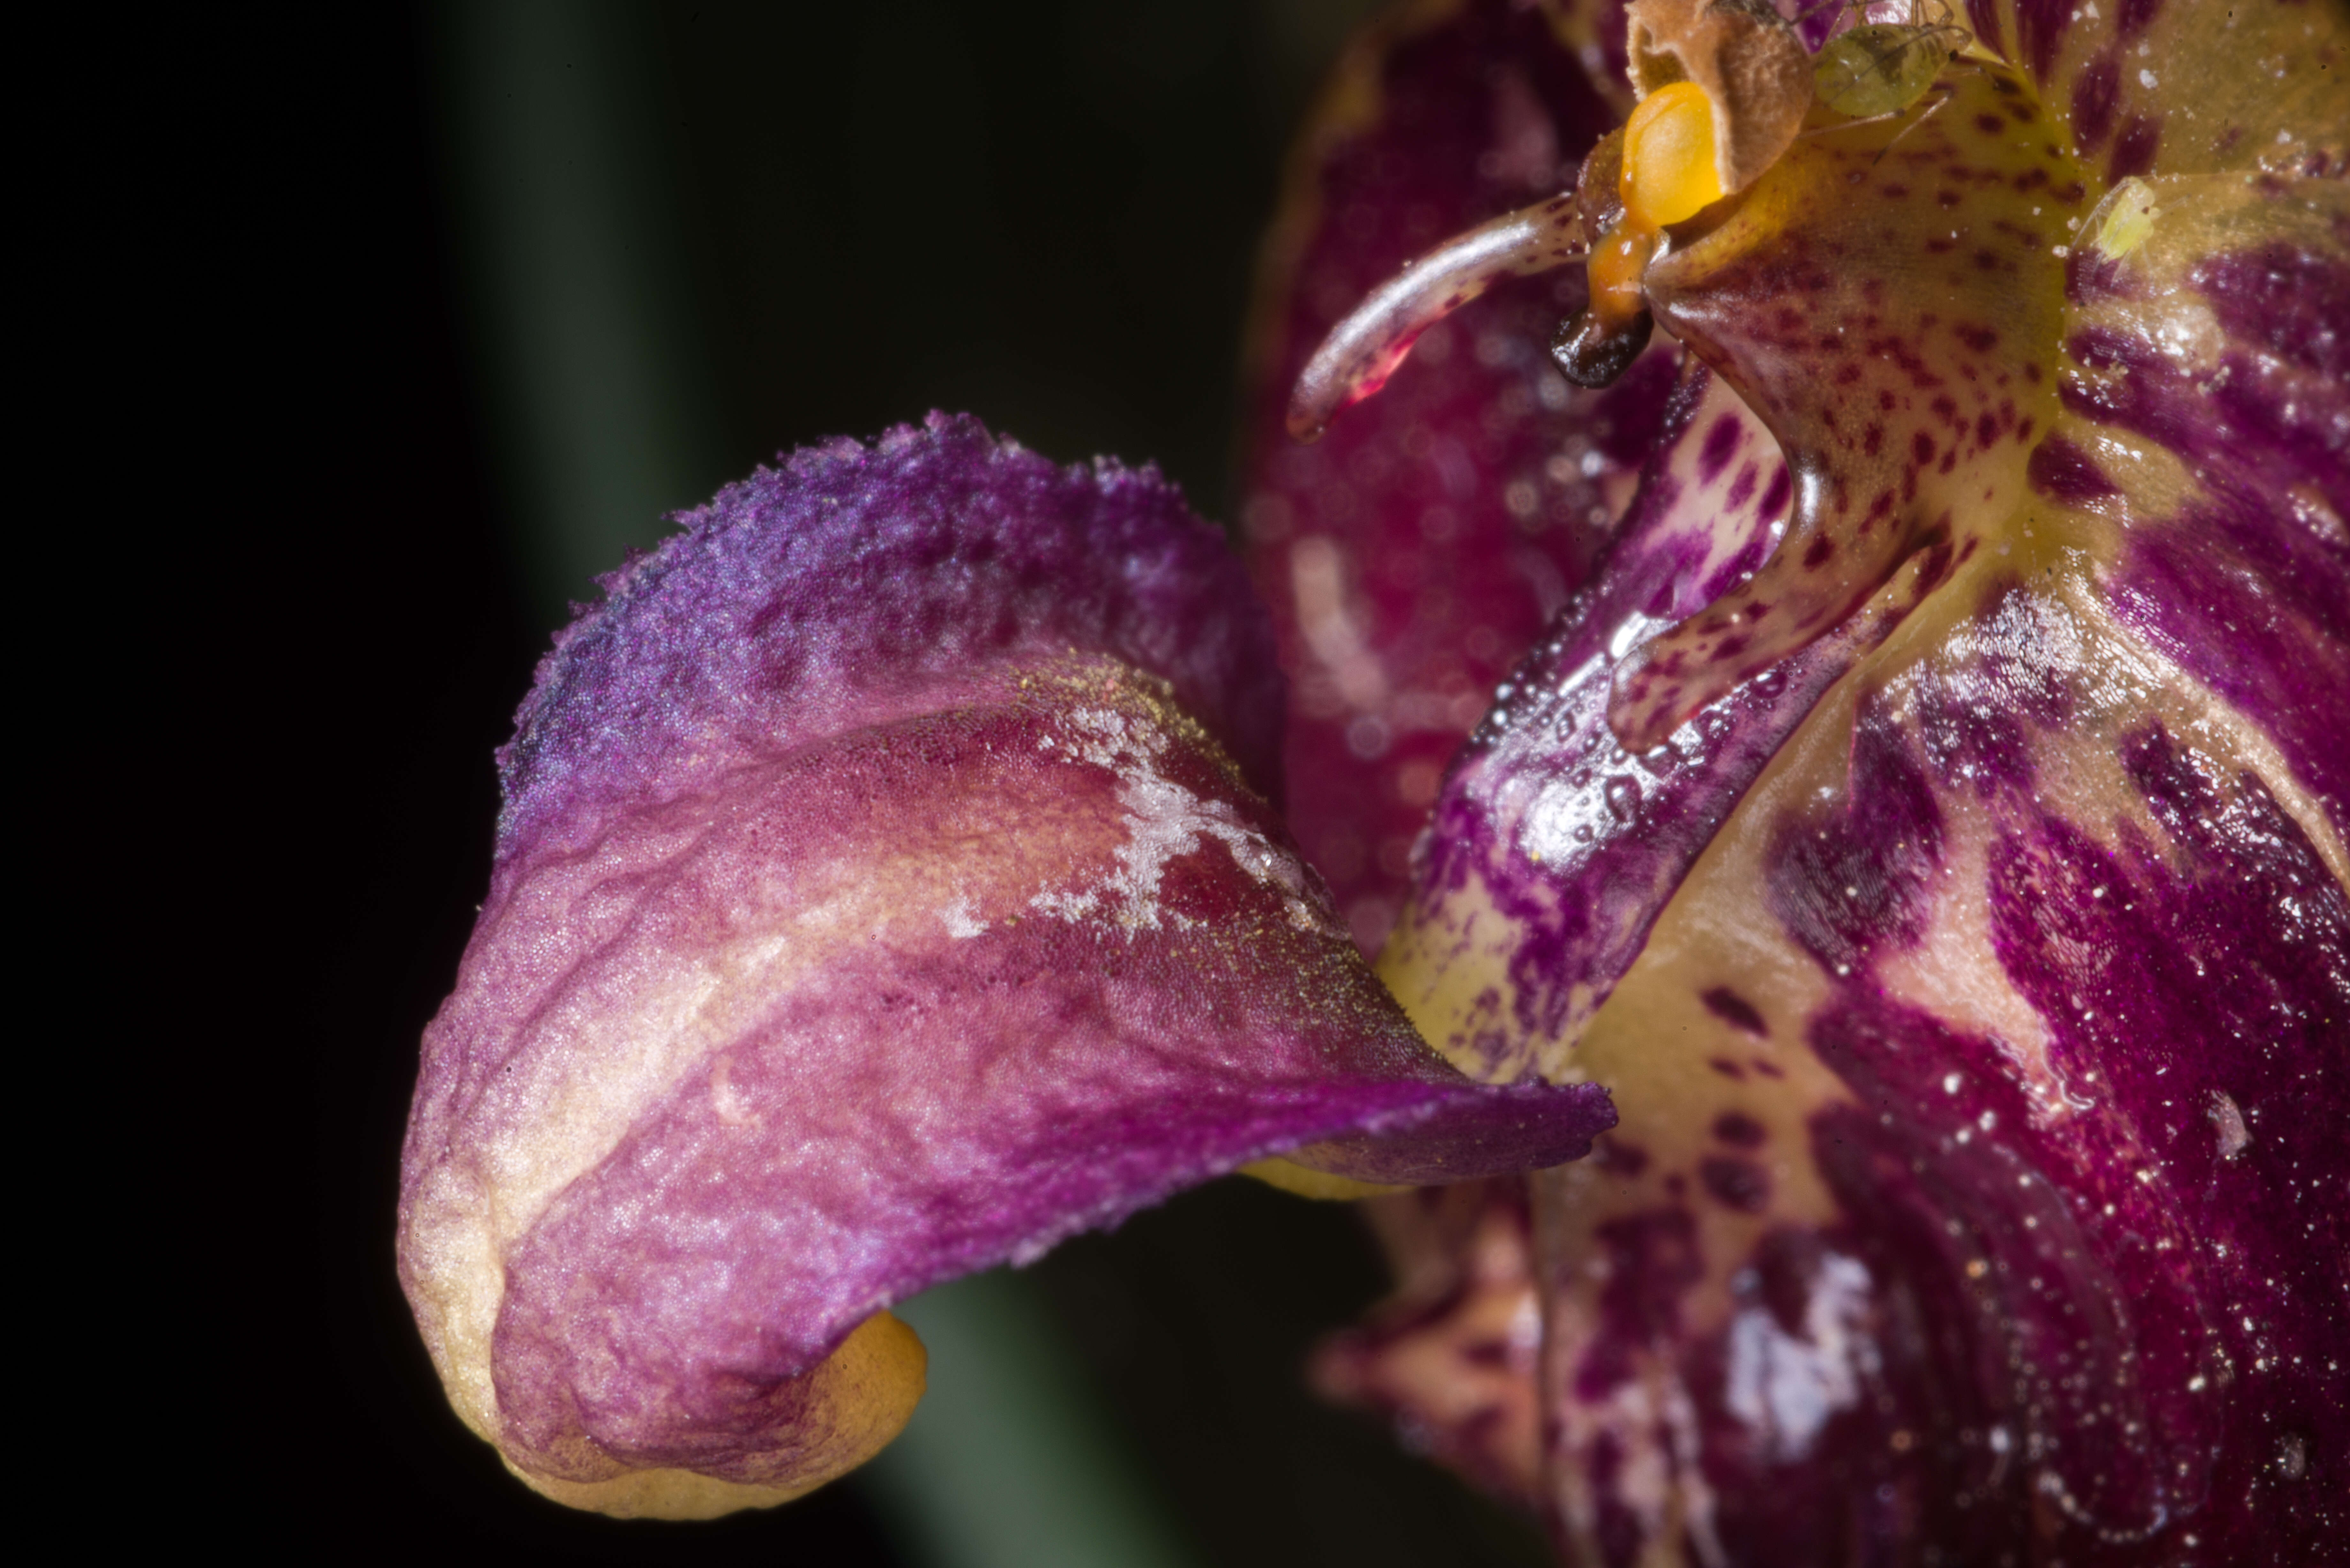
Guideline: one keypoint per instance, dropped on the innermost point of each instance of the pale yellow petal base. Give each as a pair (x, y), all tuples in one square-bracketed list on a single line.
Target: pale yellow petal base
[(1305, 1182), (865, 1392)]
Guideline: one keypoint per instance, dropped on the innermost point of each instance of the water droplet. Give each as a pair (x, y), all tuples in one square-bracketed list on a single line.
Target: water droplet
[(1623, 797)]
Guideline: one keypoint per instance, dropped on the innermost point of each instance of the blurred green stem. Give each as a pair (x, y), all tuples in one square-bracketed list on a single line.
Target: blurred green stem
[(1006, 1463), (598, 394)]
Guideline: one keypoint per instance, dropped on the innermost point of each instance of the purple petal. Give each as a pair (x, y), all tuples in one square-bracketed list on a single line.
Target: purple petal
[(1413, 554), (853, 587), (869, 910)]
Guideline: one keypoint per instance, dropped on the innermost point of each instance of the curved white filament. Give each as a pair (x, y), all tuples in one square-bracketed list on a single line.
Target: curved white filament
[(1363, 350)]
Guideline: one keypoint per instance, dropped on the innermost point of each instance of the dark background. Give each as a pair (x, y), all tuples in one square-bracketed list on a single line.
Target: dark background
[(833, 220)]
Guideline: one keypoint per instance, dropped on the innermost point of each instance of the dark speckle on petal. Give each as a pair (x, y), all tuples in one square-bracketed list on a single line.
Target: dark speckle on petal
[(1739, 1184)]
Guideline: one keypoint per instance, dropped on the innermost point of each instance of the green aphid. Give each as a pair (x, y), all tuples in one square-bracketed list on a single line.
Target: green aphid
[(1880, 69)]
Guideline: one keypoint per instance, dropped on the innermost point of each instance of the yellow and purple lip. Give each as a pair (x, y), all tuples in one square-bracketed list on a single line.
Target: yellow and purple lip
[(1917, 785)]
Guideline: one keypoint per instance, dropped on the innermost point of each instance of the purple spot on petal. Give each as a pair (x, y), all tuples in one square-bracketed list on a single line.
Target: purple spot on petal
[(1653, 1259), (2039, 26), (1740, 1130), (2064, 473), (2132, 17), (2134, 149), (1847, 882), (2094, 92), (1741, 488), (2292, 302), (1619, 1155), (1721, 446), (1735, 1010), (1739, 1184)]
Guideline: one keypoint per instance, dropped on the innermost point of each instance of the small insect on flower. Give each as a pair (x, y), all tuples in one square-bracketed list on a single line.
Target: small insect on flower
[(1878, 68)]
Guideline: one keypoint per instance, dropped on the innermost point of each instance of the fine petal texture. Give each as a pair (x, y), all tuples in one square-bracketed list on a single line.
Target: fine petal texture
[(787, 1002), (1412, 554), (851, 584), (1980, 1015)]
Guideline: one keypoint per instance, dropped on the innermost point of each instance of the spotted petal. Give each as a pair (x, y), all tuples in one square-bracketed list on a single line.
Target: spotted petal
[(1971, 956)]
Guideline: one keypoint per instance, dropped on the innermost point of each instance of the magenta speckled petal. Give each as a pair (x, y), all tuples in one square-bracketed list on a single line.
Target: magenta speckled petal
[(871, 907), (2020, 1198), (1971, 962)]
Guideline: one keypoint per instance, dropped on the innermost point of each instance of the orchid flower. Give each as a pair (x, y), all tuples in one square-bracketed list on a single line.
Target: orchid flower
[(1872, 738)]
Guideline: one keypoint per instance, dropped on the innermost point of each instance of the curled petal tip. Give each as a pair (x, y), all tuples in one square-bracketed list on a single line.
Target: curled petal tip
[(882, 897)]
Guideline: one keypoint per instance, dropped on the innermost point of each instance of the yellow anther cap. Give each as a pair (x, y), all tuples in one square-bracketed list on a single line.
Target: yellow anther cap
[(1669, 171)]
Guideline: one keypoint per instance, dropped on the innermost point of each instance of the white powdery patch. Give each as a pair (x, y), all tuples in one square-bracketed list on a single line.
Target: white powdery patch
[(962, 921), (1786, 1388), (1164, 821), (2227, 1121)]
